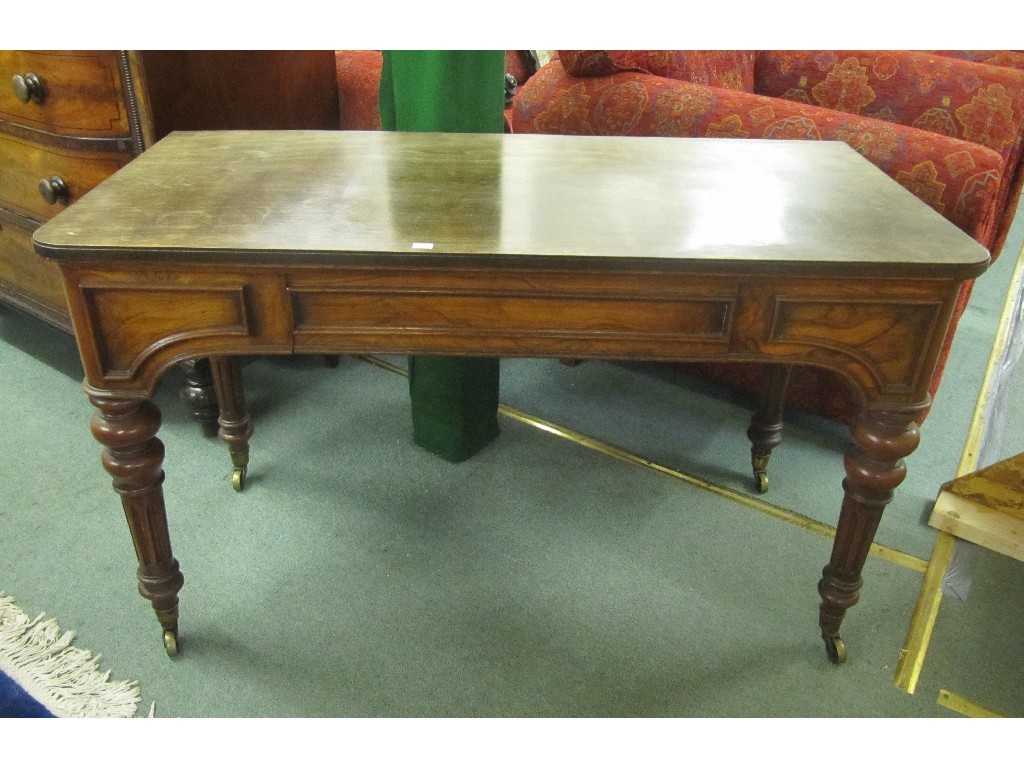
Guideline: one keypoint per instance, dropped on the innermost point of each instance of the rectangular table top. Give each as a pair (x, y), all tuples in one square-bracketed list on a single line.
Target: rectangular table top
[(355, 197)]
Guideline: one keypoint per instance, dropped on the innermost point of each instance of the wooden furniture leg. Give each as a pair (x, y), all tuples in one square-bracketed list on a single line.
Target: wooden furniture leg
[(765, 430), (874, 467), (199, 396), (235, 424), (133, 456)]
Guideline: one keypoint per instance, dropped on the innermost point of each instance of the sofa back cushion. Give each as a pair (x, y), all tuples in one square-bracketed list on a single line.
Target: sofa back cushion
[(722, 69)]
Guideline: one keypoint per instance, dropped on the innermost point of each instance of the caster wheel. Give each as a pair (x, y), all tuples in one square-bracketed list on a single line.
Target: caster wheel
[(238, 479), (171, 642), (835, 648), (761, 482)]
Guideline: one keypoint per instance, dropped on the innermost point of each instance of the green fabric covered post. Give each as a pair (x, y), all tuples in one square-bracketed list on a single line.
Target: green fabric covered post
[(454, 399)]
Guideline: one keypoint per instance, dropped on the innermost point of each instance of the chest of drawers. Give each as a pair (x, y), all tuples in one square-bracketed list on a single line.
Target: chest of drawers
[(69, 119)]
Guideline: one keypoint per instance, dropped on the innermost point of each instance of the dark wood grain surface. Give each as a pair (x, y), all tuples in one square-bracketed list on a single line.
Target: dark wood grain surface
[(437, 195)]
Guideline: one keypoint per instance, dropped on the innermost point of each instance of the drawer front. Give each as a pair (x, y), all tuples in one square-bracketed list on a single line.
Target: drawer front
[(71, 93), (28, 281), (24, 164), (513, 312)]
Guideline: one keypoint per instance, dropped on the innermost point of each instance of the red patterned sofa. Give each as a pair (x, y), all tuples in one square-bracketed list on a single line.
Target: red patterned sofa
[(946, 127), (358, 76)]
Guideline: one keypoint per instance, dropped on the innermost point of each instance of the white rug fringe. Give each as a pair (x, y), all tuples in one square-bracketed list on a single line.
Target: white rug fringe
[(64, 679)]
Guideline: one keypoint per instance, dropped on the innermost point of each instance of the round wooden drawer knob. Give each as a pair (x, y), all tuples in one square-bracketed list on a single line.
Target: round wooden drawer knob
[(53, 190), (27, 87)]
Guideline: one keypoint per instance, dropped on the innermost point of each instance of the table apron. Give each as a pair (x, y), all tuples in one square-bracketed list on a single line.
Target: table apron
[(884, 333)]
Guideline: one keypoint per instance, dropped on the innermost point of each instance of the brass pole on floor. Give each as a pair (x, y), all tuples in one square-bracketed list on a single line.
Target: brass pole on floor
[(963, 706), (922, 622), (780, 513)]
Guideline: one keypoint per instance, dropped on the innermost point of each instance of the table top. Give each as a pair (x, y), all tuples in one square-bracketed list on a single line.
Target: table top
[(383, 197)]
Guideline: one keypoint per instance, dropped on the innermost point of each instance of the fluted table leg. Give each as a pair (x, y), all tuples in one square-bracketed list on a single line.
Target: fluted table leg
[(235, 424), (874, 467), (133, 456), (765, 430)]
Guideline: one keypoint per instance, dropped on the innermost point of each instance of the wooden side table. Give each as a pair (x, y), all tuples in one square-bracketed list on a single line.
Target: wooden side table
[(228, 243)]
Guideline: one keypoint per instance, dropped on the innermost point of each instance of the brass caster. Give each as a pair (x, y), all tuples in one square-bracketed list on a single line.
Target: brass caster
[(835, 649), (238, 479), (761, 481), (171, 642)]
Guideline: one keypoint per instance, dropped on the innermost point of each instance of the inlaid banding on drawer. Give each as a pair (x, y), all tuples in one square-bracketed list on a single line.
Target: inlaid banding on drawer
[(345, 311), (82, 92), (24, 163), (129, 324)]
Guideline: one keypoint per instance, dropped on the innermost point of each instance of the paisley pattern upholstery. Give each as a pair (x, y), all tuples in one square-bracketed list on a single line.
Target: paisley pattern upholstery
[(948, 130), (980, 103)]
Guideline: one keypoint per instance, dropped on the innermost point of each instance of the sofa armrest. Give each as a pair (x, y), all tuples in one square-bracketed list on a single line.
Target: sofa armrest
[(949, 96), (358, 75), (960, 179), (955, 97), (1012, 60)]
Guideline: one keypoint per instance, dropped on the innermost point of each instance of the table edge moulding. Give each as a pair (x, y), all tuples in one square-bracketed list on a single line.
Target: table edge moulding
[(505, 245)]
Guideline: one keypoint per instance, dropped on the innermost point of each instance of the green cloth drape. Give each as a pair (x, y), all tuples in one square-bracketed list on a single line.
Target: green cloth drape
[(454, 399)]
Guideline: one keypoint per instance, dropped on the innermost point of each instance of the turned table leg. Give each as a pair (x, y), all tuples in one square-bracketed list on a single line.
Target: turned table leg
[(133, 456), (235, 423), (765, 430), (874, 467), (198, 395)]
